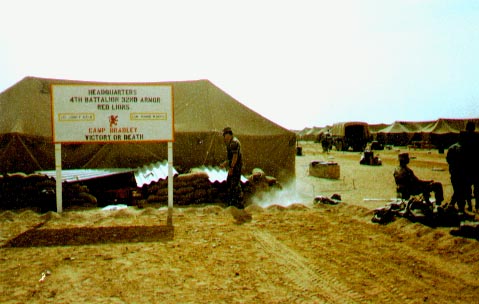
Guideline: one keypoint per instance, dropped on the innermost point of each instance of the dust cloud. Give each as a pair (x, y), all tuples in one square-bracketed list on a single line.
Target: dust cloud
[(284, 197)]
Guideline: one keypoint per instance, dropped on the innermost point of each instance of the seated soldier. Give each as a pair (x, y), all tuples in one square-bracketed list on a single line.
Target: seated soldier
[(408, 184)]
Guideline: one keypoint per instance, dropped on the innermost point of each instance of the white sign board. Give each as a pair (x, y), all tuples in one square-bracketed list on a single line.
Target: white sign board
[(112, 113)]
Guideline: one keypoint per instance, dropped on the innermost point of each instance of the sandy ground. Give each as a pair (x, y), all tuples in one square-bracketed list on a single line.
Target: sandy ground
[(289, 250)]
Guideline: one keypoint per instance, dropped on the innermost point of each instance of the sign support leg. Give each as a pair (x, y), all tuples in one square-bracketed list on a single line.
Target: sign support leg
[(58, 168), (170, 183)]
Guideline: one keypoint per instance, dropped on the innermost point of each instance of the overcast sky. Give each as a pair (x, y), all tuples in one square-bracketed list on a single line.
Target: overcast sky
[(298, 63)]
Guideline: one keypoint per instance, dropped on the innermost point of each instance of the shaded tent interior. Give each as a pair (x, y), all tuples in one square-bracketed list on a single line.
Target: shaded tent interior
[(201, 111)]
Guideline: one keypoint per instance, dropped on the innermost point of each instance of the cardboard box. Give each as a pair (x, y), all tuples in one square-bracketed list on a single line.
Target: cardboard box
[(324, 169)]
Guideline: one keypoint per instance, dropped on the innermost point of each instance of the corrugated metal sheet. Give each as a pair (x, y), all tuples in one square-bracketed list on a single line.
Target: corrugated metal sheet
[(78, 175), (152, 173), (143, 176), (216, 174)]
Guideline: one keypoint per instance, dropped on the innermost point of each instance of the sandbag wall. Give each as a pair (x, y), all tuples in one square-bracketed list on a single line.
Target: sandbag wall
[(190, 188), (196, 188), (20, 190)]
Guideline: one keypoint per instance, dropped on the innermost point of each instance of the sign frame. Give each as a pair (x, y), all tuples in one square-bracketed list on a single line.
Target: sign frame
[(89, 116), (96, 113)]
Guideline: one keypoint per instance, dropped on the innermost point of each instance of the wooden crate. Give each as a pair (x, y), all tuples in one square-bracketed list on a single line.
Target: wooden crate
[(324, 169)]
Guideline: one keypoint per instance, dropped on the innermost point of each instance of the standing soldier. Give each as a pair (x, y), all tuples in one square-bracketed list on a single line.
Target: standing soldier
[(459, 180), (470, 145), (234, 164), (326, 142)]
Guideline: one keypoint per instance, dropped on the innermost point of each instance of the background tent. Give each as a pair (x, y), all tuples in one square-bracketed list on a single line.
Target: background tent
[(444, 132), (374, 128), (201, 111), (311, 134), (399, 133)]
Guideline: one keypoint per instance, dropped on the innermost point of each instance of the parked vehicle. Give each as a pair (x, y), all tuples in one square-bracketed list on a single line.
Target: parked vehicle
[(350, 135)]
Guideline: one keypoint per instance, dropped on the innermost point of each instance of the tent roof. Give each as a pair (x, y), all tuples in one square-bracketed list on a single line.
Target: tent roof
[(406, 127), (439, 126), (374, 128), (397, 127), (199, 106), (445, 126)]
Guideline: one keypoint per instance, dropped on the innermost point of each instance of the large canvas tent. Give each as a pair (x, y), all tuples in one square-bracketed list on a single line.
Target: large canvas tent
[(201, 111), (399, 133), (442, 132), (445, 131)]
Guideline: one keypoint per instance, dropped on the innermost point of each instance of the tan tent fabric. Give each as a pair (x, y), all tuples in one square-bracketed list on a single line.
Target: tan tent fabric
[(201, 111)]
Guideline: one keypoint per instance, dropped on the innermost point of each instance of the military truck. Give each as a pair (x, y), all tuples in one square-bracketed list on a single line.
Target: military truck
[(350, 135)]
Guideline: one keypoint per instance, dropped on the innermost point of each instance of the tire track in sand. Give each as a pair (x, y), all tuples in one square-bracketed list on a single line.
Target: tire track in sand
[(313, 283)]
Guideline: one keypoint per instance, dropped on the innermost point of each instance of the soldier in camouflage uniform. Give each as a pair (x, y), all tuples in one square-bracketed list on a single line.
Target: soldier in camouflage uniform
[(409, 184), (234, 164)]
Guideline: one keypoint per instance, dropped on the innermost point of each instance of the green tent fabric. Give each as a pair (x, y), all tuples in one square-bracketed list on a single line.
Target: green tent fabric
[(311, 134), (445, 126), (441, 132), (399, 133), (374, 128), (201, 111), (445, 132)]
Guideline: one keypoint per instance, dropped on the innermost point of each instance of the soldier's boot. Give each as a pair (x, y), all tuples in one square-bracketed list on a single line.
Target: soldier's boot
[(469, 205), (439, 198), (427, 200)]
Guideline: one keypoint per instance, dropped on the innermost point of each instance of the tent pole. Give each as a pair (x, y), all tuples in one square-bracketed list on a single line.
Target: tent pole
[(58, 168)]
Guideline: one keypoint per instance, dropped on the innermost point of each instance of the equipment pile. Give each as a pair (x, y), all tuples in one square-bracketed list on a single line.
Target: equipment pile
[(416, 209)]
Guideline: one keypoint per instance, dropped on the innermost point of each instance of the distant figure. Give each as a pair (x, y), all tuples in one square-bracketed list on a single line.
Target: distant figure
[(326, 142), (368, 158), (234, 164), (408, 184)]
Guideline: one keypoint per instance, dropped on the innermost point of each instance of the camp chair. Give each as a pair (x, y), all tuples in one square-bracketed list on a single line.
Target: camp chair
[(404, 193), (417, 206)]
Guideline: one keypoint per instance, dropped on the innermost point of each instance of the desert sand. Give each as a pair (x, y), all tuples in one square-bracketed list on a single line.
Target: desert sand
[(282, 249)]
